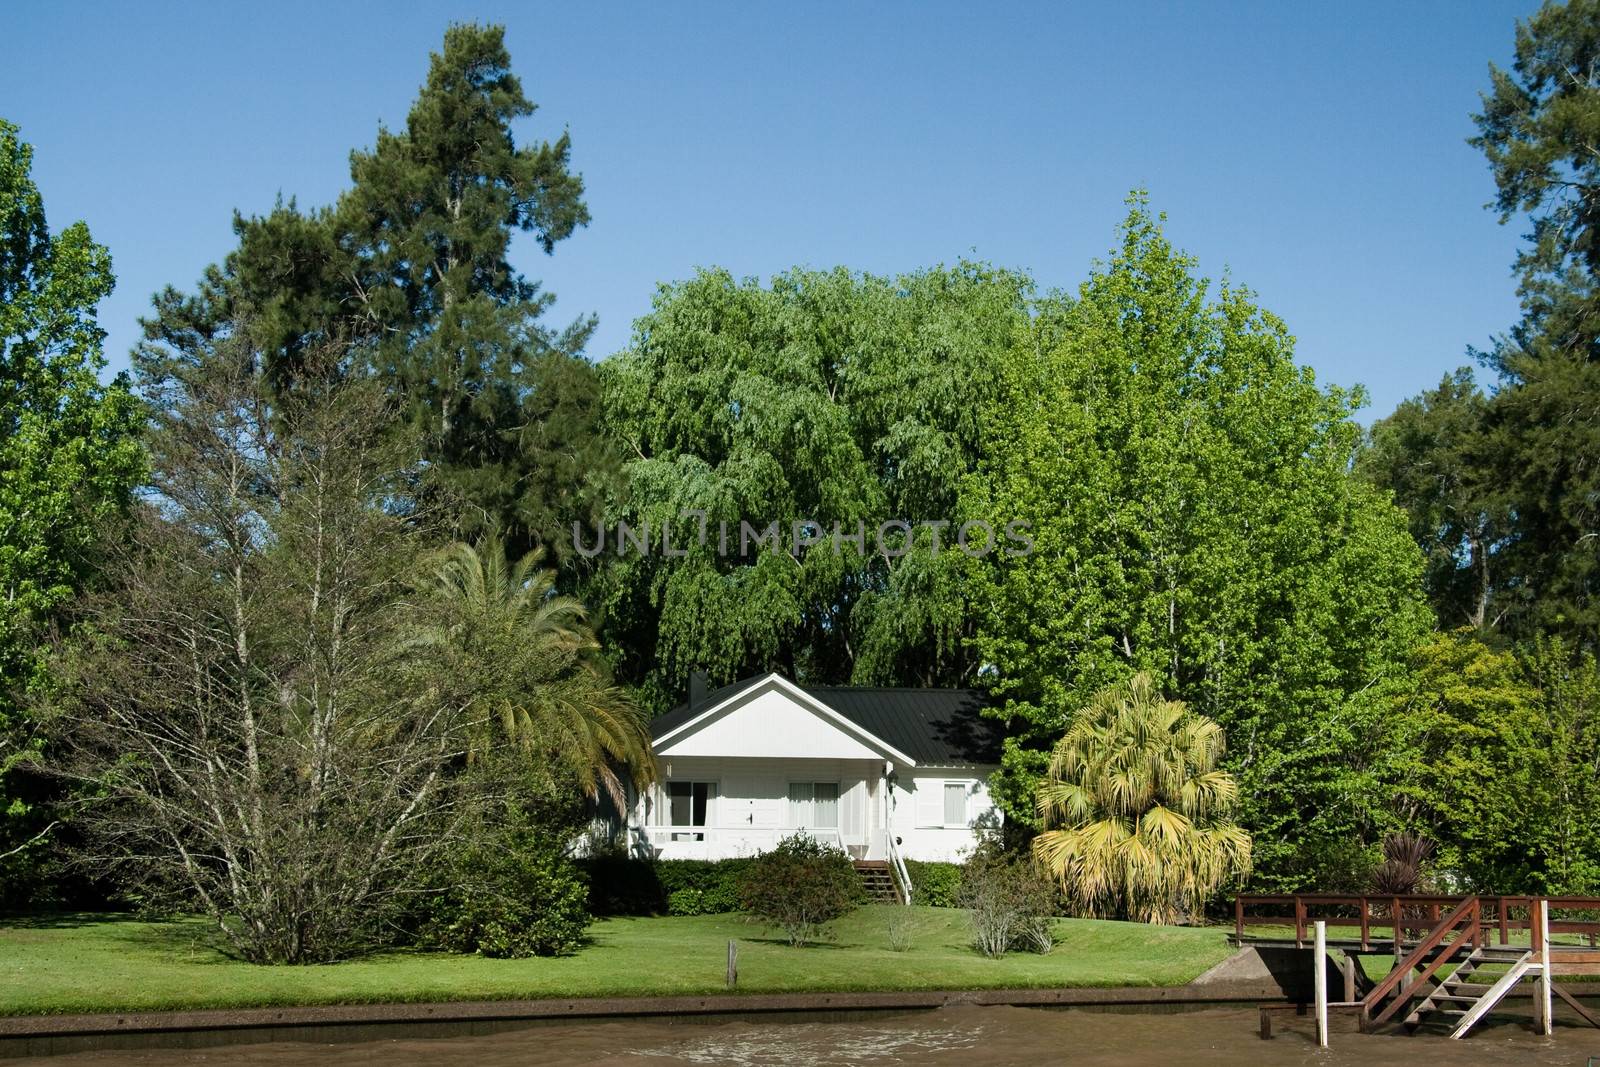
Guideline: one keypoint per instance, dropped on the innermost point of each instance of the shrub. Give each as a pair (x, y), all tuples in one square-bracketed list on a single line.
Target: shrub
[(620, 885), (899, 927), (801, 886), (1010, 904), (511, 892), (936, 885), (1405, 862)]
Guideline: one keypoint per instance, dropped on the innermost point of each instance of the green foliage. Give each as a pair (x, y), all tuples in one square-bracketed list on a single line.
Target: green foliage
[(69, 459), (413, 266), (1195, 516), (1435, 454), (512, 892), (505, 403), (1542, 426), (626, 886), (1137, 816), (933, 884), (528, 661), (1494, 756), (830, 396), (800, 886), (1009, 903)]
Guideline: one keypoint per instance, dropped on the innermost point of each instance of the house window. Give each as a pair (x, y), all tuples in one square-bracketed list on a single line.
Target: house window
[(814, 805), (955, 804), (689, 804)]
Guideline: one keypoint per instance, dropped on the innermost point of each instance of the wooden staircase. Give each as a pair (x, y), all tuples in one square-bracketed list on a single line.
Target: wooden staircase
[(1464, 1002), (878, 881), (1459, 939)]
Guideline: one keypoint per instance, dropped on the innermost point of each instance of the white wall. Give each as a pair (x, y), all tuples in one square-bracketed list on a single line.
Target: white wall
[(770, 725), (751, 810), (918, 816)]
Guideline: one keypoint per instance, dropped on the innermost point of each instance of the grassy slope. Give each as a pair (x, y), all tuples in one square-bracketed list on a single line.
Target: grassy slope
[(97, 964)]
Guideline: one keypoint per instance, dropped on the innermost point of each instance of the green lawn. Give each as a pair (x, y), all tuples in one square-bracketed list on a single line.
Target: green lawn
[(99, 963)]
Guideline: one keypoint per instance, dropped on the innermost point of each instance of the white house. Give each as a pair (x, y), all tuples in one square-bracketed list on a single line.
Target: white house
[(884, 773)]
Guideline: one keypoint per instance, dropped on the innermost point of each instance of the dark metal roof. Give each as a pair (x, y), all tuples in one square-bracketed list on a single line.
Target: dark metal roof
[(937, 727)]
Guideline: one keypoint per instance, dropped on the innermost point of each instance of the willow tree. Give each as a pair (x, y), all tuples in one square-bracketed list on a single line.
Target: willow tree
[(829, 395), (1137, 812)]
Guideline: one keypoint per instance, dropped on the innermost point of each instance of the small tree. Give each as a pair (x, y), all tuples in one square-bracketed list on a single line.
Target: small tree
[(249, 742), (801, 886), (1136, 810), (1009, 903)]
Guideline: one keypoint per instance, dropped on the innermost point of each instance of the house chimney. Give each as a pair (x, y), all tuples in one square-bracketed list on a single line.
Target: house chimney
[(698, 684)]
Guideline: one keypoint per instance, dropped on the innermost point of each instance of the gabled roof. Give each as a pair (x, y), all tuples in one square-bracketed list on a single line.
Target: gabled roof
[(937, 727)]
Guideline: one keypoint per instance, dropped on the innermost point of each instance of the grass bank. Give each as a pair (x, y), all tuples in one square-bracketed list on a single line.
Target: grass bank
[(99, 963)]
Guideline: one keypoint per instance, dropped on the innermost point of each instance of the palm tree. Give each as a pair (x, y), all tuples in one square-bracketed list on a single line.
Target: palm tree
[(1136, 813), (529, 660)]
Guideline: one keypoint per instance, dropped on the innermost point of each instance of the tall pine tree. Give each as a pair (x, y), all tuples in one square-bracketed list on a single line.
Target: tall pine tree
[(412, 268)]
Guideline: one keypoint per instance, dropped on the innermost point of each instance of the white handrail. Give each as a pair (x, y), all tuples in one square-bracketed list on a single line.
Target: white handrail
[(898, 864)]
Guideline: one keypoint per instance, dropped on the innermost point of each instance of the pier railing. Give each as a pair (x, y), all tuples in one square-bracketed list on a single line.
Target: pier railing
[(1398, 920)]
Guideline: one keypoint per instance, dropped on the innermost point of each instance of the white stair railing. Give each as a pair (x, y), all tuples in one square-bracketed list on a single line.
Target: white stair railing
[(897, 864)]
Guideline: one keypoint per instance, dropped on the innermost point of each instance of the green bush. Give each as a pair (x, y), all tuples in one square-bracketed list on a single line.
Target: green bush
[(626, 886), (801, 886), (512, 892), (934, 884), (1009, 902)]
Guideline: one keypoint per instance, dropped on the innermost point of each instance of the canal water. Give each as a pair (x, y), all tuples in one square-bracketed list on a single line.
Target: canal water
[(968, 1036)]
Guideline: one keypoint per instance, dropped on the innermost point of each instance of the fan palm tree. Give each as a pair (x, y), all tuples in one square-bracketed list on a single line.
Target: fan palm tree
[(528, 659), (1135, 810)]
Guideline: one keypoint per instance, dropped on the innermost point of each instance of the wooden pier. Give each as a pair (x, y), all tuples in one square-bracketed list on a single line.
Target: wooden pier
[(1438, 944)]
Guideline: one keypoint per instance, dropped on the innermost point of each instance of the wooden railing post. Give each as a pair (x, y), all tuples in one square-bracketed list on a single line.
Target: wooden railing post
[(1399, 929), (1505, 932), (1299, 922), (1238, 917), (1364, 925)]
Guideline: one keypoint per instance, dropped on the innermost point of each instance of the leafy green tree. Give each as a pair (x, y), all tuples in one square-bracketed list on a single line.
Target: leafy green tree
[(800, 886), (1435, 455), (1544, 425), (245, 740), (413, 264), (844, 398), (535, 680), (1496, 755), (1194, 513), (69, 455), (1136, 810)]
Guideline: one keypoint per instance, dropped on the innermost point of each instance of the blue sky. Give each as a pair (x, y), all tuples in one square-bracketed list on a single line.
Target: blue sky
[(1315, 152)]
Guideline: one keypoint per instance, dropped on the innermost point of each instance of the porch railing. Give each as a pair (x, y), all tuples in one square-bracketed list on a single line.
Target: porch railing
[(743, 839)]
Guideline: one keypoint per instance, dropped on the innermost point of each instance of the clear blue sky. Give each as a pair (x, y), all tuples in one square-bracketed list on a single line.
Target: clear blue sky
[(1316, 152)]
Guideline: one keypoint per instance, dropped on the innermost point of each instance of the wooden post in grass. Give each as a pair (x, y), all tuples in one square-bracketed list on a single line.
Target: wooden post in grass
[(733, 963), (1321, 976)]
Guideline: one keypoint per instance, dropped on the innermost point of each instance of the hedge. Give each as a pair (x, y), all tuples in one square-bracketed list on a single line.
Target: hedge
[(934, 884), (624, 886)]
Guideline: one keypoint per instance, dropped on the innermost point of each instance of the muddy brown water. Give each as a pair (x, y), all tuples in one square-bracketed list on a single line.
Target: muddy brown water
[(969, 1036)]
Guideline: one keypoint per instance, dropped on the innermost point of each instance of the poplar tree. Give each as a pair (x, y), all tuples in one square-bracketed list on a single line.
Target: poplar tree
[(69, 457), (1195, 517)]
